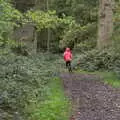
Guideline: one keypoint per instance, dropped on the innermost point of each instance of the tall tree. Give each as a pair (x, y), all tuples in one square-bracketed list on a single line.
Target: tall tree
[(48, 38), (105, 27)]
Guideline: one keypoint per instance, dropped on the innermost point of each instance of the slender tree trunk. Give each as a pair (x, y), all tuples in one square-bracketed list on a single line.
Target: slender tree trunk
[(48, 40), (35, 42), (48, 36), (105, 27)]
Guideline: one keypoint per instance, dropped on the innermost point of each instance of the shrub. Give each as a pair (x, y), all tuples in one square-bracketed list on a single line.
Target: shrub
[(9, 17), (100, 60), (22, 80), (80, 37)]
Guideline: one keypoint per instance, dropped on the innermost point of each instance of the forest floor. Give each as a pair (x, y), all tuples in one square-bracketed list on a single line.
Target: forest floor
[(91, 98)]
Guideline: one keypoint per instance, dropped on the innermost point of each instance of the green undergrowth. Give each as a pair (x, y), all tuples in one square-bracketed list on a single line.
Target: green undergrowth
[(55, 106), (28, 87), (107, 76), (110, 78), (99, 60)]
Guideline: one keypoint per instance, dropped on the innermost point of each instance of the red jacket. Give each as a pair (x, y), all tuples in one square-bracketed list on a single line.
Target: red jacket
[(67, 55)]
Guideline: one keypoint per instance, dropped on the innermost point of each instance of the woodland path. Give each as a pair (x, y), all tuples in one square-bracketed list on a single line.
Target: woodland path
[(91, 98)]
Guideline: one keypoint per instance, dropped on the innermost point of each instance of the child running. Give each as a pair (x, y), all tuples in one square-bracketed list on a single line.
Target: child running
[(68, 58)]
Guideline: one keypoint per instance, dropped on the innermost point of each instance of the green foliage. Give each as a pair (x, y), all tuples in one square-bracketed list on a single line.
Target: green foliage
[(83, 35), (49, 19), (79, 37), (100, 60), (59, 21), (42, 20), (61, 7), (83, 11), (9, 17), (116, 34), (110, 78), (70, 35), (23, 79), (117, 12)]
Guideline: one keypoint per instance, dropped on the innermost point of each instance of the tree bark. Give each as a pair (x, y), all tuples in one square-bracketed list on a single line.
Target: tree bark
[(35, 42), (48, 39), (105, 26)]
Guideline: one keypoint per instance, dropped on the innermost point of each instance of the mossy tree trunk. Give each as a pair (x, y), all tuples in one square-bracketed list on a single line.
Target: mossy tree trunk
[(105, 26)]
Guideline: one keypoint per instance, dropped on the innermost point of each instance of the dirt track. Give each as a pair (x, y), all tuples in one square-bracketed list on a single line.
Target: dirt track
[(91, 98)]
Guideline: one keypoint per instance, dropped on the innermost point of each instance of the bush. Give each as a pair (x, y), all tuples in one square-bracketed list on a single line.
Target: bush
[(22, 80), (80, 37), (9, 18), (100, 60)]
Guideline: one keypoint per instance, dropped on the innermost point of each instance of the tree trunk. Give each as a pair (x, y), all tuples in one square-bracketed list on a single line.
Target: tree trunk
[(48, 39), (105, 27), (35, 42)]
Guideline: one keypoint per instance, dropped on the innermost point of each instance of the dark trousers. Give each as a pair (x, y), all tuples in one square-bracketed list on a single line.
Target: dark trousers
[(68, 64)]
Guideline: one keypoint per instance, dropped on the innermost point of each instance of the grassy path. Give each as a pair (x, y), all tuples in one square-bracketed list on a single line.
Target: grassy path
[(55, 105)]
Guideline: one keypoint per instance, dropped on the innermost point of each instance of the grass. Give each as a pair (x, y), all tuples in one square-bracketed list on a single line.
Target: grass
[(108, 77), (55, 106)]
